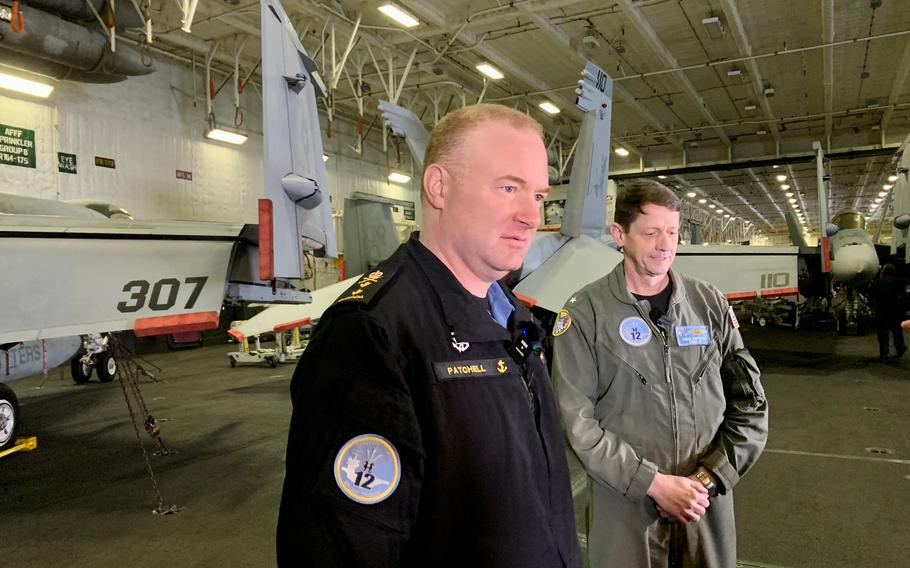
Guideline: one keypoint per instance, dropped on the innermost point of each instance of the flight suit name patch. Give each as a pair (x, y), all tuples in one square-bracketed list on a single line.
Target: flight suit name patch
[(447, 370), (687, 335)]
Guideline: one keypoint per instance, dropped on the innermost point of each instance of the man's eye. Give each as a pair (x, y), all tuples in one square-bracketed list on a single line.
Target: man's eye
[(508, 188), (539, 196)]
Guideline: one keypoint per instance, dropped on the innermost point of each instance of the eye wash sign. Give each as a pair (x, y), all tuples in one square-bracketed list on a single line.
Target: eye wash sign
[(17, 146)]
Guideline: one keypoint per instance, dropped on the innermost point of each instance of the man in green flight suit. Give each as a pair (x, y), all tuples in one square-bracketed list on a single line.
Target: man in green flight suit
[(661, 401)]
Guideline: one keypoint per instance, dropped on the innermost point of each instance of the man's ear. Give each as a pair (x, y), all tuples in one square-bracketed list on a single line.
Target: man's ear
[(619, 237), (435, 181)]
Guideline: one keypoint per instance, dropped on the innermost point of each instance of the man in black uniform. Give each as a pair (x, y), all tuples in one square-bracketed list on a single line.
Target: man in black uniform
[(425, 431), (889, 298)]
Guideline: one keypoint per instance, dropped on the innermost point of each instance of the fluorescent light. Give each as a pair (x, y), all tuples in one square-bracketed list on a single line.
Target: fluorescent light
[(789, 194), (734, 72), (399, 15), (399, 178), (690, 194), (892, 178), (785, 187), (661, 177), (792, 200), (878, 199), (222, 135), (887, 186), (489, 71), (702, 201), (621, 151), (775, 166), (882, 193), (550, 108), (325, 157), (711, 206), (749, 108), (781, 177), (726, 215), (25, 86)]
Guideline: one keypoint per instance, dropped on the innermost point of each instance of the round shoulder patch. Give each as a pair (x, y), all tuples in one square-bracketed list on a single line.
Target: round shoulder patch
[(367, 469), (563, 322), (634, 331)]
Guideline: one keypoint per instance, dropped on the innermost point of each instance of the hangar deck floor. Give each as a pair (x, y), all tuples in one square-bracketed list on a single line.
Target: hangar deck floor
[(83, 499)]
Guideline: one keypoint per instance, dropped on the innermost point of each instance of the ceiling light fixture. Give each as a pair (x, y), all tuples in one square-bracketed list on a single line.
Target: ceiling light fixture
[(399, 178), (550, 108), (789, 194), (25, 86), (785, 187), (887, 186), (222, 135), (661, 177), (399, 15), (878, 199), (621, 151), (781, 177), (702, 201), (792, 200), (892, 178), (882, 193), (325, 157), (489, 71)]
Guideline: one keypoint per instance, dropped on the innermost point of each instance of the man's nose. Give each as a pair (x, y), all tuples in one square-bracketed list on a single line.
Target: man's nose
[(666, 241), (529, 211)]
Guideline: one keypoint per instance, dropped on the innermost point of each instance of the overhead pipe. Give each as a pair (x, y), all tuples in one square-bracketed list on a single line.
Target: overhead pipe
[(66, 43)]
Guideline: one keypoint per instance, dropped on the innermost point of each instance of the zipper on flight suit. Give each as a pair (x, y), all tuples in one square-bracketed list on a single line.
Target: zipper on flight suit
[(699, 373), (669, 378)]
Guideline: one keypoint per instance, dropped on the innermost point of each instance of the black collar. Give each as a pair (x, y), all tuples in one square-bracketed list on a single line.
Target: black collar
[(465, 313)]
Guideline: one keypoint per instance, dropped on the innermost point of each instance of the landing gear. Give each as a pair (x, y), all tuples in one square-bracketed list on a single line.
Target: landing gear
[(94, 355), (9, 416)]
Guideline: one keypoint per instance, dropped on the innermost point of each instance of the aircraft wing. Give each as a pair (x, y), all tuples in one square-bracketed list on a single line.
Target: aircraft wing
[(268, 319), (739, 272), (405, 123)]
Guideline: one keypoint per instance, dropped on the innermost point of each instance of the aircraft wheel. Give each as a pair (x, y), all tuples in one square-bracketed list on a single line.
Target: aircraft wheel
[(273, 362), (106, 366), (762, 322), (233, 362), (81, 372), (9, 416)]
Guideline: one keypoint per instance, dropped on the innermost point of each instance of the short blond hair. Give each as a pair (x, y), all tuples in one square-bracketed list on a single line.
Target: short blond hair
[(446, 137)]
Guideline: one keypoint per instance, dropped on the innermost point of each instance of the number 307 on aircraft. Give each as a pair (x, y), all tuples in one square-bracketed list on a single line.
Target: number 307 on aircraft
[(163, 294)]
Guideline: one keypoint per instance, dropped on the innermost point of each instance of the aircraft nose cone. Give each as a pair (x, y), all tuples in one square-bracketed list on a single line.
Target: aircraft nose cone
[(855, 265)]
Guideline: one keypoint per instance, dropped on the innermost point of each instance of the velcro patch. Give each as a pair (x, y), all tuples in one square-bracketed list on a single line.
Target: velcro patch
[(367, 469), (448, 370)]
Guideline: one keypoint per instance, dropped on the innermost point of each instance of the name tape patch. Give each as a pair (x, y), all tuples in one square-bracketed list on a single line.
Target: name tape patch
[(367, 469), (687, 335), (634, 331), (447, 370)]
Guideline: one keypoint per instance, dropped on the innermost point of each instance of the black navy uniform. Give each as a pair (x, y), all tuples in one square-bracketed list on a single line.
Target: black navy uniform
[(409, 355)]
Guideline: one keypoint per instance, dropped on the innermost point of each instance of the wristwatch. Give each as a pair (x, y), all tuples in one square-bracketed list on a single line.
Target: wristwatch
[(702, 475)]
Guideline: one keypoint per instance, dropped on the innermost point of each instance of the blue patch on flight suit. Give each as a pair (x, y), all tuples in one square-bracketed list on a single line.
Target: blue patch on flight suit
[(634, 331), (687, 335), (367, 469)]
